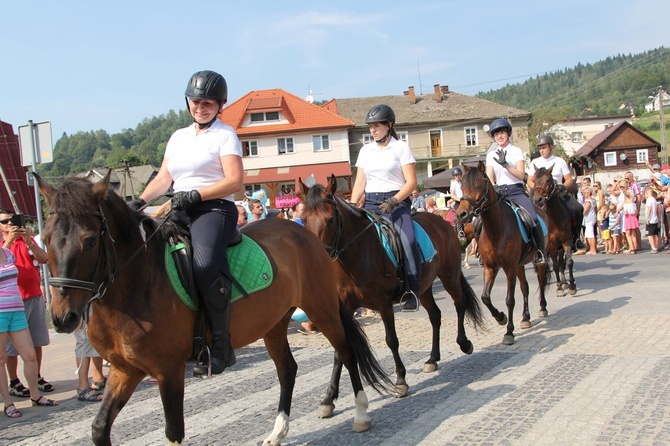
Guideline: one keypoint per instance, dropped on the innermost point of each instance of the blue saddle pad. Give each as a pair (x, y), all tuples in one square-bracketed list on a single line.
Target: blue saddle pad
[(525, 235), (425, 244)]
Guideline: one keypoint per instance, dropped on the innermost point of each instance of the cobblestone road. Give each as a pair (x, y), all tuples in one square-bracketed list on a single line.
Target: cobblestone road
[(595, 372)]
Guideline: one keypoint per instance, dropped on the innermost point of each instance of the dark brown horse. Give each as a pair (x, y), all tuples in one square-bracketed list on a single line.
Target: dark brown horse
[(500, 246), (366, 277), (547, 195), (98, 257)]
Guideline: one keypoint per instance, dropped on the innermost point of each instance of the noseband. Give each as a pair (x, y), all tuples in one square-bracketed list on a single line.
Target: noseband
[(550, 191), (478, 206)]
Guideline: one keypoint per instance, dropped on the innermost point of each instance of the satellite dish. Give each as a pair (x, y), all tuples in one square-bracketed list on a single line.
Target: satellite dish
[(486, 128), (310, 181)]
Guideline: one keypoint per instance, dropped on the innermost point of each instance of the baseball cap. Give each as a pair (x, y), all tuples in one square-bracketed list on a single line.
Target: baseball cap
[(656, 167)]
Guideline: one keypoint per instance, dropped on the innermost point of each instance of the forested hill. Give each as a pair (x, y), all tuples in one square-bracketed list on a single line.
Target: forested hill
[(601, 87)]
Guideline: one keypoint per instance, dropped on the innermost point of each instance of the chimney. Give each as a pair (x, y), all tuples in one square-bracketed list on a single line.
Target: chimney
[(444, 89), (411, 94), (438, 93)]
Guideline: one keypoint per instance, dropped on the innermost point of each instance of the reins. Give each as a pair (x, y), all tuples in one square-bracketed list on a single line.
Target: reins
[(478, 206), (334, 250), (108, 246)]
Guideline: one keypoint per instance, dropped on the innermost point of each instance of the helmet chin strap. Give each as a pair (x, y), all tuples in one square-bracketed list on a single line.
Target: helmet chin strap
[(205, 125), (383, 140)]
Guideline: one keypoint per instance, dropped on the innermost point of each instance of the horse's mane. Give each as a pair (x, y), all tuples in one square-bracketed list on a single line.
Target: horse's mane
[(472, 179), (75, 198), (314, 197)]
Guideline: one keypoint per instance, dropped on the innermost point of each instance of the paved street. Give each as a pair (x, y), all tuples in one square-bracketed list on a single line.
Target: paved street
[(595, 372)]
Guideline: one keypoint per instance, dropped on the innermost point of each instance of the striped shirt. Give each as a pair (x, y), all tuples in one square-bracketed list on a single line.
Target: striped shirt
[(10, 296)]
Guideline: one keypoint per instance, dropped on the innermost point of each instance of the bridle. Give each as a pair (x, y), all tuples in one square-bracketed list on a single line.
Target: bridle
[(108, 252), (549, 192), (335, 250), (479, 206)]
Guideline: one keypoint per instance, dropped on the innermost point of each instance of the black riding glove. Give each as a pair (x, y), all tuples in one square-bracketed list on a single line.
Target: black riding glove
[(387, 206), (560, 187), (184, 200), (501, 157), (137, 203)]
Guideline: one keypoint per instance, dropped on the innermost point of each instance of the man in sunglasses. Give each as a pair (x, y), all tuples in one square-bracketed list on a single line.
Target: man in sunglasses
[(19, 240)]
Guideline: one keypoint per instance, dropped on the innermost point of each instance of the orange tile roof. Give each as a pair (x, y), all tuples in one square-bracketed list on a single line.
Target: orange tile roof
[(302, 115)]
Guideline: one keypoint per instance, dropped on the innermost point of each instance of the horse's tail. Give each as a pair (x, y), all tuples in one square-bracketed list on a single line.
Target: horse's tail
[(472, 309), (369, 367), (548, 272)]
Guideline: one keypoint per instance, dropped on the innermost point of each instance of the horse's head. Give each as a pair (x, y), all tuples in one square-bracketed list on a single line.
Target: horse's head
[(477, 192), (320, 214), (545, 186), (79, 245)]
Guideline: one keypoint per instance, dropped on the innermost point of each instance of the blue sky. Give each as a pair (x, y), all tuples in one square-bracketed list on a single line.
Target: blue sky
[(87, 65)]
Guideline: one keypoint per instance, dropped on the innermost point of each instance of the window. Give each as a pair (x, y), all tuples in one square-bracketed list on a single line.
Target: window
[(249, 148), (320, 143), (402, 136), (577, 136), (367, 138), (610, 158), (642, 156), (267, 116), (285, 145), (470, 136)]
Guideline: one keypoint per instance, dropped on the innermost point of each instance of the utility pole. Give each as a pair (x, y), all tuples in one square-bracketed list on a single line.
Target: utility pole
[(661, 92)]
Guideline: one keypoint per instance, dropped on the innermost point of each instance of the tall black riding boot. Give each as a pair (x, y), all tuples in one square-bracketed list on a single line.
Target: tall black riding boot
[(216, 302), (538, 241)]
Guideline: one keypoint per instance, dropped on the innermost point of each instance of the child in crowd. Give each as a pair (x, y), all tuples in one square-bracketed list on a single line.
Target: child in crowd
[(630, 221), (604, 224), (652, 219), (614, 220)]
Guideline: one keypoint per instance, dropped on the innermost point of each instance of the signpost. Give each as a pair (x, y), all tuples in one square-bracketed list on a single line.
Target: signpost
[(37, 147)]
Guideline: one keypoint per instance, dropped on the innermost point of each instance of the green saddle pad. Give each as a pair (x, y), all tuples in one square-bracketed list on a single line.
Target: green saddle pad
[(248, 264)]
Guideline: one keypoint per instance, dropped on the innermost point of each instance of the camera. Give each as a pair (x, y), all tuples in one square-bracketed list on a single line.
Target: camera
[(18, 220)]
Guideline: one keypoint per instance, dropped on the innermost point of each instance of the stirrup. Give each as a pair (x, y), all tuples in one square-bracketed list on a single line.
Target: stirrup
[(404, 302), (540, 258), (200, 363)]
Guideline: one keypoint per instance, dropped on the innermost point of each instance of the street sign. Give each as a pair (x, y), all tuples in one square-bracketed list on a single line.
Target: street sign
[(43, 149)]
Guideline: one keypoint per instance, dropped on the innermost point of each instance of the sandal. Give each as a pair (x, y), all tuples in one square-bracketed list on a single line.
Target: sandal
[(44, 385), (42, 401), (19, 390), (12, 413), (89, 395), (99, 385)]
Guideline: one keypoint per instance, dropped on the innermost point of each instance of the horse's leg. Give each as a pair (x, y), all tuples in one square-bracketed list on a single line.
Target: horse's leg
[(435, 316), (120, 386), (466, 261), (388, 318), (171, 387), (557, 266), (508, 339), (543, 276), (279, 350), (523, 285), (327, 406), (489, 278), (572, 286)]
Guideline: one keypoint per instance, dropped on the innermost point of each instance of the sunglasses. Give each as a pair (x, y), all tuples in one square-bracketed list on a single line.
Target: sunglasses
[(5, 221)]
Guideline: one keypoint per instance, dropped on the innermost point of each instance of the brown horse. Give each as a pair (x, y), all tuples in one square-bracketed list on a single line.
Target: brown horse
[(500, 246), (99, 259), (547, 195), (366, 277)]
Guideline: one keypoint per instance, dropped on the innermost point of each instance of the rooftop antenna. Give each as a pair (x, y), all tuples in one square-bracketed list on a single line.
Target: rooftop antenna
[(418, 68), (310, 95)]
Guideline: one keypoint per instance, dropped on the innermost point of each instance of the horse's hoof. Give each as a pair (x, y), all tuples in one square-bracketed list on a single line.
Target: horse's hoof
[(560, 293), (508, 340), (467, 347), (401, 390), (503, 321), (325, 411), (467, 266), (430, 367), (572, 292), (543, 313), (361, 426), (271, 443), (525, 324)]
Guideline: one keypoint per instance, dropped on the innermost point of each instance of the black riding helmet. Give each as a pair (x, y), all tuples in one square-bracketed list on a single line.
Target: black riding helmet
[(384, 114), (500, 124), (456, 171), (544, 139), (206, 85)]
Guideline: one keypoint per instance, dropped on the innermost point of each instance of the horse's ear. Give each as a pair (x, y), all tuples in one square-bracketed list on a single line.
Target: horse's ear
[(331, 188), (100, 188), (46, 189), (303, 187), (535, 167), (464, 168), (550, 168), (481, 166)]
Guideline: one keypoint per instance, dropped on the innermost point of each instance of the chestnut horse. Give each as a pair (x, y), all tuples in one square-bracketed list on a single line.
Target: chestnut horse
[(99, 258), (547, 195), (366, 277), (500, 246)]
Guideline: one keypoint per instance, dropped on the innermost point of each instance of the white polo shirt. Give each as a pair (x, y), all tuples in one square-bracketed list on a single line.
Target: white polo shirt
[(502, 175), (383, 165), (559, 170), (194, 161)]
